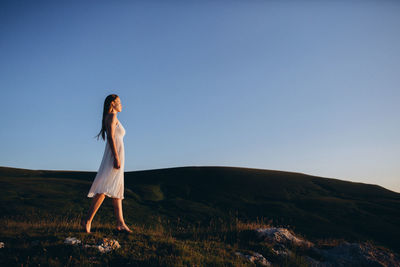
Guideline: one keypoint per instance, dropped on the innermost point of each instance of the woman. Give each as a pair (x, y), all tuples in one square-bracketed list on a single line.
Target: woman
[(109, 180)]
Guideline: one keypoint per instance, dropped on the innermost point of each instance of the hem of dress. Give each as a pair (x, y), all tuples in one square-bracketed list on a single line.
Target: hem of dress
[(105, 193)]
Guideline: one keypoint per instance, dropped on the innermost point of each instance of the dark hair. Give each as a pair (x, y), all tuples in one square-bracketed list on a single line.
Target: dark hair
[(106, 109)]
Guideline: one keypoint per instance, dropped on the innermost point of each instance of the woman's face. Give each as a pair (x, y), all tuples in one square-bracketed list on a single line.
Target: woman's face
[(116, 104)]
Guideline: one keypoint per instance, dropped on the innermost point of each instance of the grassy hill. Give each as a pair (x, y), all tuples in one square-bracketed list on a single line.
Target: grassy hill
[(316, 207)]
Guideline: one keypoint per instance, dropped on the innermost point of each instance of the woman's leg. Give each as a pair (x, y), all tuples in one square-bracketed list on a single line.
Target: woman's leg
[(96, 203), (117, 203)]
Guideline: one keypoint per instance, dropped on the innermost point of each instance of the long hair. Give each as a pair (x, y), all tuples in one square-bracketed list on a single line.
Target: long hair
[(106, 109)]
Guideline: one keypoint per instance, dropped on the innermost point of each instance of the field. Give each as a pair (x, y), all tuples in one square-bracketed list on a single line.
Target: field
[(188, 216)]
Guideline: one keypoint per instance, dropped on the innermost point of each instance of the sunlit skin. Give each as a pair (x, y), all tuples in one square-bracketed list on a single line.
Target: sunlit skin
[(111, 122)]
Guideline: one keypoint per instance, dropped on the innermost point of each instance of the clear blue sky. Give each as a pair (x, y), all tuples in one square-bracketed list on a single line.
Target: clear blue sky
[(303, 86)]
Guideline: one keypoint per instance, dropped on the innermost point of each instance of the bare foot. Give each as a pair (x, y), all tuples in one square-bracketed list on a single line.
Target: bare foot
[(85, 225), (123, 228)]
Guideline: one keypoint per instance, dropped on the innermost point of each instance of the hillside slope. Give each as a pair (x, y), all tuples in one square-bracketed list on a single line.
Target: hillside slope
[(316, 207)]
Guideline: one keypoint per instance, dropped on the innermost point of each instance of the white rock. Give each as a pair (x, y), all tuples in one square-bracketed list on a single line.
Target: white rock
[(255, 258), (281, 235), (103, 245), (280, 252), (72, 241), (107, 245)]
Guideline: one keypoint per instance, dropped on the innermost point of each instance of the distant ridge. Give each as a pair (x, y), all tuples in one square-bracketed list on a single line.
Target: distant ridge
[(12, 171)]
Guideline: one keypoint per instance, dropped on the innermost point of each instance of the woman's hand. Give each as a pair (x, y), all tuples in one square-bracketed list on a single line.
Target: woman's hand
[(117, 163)]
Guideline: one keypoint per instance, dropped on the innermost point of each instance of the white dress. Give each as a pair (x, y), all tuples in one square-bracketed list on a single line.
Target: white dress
[(109, 180)]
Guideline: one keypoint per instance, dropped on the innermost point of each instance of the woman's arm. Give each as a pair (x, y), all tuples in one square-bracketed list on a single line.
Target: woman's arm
[(110, 127)]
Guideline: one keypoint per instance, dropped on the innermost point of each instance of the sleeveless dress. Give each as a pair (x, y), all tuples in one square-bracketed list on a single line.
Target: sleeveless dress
[(109, 180)]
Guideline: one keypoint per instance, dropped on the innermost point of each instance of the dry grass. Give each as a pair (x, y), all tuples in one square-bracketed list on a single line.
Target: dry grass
[(165, 243)]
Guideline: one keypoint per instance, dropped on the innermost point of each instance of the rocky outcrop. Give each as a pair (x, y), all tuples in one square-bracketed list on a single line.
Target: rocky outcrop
[(282, 241), (356, 254), (281, 236), (103, 244)]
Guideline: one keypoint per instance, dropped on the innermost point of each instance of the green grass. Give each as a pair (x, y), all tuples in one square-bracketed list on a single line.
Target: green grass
[(317, 208), (166, 243)]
